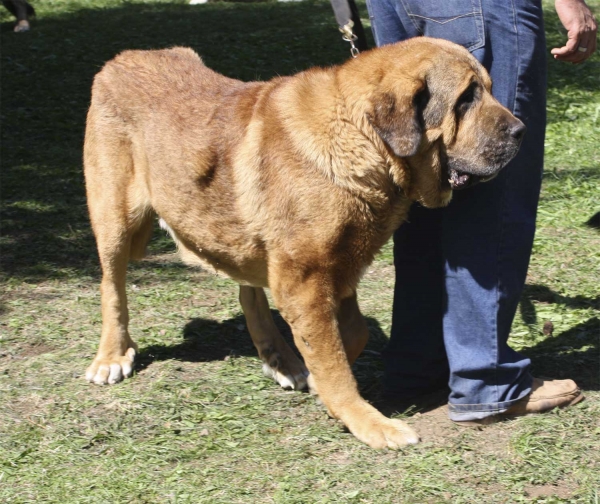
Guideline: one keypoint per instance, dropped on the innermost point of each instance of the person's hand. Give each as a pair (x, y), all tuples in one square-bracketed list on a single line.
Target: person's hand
[(581, 27)]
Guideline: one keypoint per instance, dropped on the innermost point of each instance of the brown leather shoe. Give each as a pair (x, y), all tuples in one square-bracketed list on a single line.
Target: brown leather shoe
[(545, 395)]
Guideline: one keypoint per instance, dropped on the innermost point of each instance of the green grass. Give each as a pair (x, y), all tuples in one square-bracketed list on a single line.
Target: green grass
[(198, 422)]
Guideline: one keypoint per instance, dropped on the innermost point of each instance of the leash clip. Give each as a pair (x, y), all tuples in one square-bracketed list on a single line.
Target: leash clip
[(348, 36)]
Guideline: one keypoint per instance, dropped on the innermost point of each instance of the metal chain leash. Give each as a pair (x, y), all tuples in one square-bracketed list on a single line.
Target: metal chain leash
[(349, 36)]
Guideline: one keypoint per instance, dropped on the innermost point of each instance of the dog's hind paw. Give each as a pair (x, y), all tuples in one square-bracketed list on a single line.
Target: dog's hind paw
[(111, 370)]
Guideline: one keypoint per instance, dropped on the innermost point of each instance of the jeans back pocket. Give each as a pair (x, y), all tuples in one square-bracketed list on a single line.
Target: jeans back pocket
[(460, 21)]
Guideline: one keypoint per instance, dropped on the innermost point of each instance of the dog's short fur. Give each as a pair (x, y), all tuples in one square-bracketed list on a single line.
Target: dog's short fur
[(292, 184)]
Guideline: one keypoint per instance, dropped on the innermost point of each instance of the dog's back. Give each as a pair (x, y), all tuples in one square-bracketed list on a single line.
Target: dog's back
[(155, 139), (138, 85)]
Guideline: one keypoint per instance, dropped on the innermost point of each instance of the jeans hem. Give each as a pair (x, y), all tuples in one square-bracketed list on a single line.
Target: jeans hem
[(464, 412)]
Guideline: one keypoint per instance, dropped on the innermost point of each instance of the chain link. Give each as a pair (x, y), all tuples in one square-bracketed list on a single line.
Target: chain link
[(348, 36)]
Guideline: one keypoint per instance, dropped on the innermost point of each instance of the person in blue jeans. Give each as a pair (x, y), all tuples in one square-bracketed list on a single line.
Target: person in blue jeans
[(460, 270)]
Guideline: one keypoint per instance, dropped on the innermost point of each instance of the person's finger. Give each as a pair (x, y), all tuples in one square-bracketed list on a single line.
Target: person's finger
[(593, 43), (577, 54), (569, 49), (585, 48), (588, 42)]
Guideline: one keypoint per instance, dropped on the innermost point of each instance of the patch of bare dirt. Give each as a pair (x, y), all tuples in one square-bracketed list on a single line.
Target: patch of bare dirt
[(562, 491), (435, 427), (36, 349), (169, 257), (28, 409), (23, 352)]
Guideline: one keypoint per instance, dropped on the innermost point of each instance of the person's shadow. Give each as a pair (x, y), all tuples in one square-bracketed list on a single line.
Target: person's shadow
[(574, 353)]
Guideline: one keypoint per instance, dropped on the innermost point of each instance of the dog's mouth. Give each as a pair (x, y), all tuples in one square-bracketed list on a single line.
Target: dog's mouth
[(460, 180)]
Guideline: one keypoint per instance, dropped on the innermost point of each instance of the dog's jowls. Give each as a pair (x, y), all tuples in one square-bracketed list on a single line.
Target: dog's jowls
[(292, 184)]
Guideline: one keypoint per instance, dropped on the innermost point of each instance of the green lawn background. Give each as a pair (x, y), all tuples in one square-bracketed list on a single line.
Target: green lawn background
[(198, 422)]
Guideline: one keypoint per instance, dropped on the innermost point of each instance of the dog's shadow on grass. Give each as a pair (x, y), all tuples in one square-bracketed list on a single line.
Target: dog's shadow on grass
[(572, 354), (206, 340)]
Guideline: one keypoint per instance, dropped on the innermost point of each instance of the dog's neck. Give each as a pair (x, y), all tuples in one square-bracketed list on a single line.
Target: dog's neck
[(339, 143)]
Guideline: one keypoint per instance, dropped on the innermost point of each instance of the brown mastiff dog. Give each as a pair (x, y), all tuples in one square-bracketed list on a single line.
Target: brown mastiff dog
[(292, 184)]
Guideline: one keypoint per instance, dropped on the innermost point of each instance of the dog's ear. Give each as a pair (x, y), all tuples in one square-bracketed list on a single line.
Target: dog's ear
[(398, 119)]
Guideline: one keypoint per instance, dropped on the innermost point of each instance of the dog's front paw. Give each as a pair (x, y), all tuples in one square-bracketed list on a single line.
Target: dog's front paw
[(110, 370), (385, 433)]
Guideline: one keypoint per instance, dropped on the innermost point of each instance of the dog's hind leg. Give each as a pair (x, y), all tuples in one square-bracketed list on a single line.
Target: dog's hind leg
[(353, 328), (121, 218), (279, 360)]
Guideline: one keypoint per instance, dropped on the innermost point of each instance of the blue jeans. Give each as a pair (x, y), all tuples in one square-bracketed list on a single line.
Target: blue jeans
[(460, 270)]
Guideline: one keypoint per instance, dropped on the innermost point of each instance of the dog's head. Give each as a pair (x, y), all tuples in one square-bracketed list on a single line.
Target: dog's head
[(430, 102)]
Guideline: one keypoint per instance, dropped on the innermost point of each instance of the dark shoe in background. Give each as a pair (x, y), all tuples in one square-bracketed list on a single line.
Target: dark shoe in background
[(22, 11)]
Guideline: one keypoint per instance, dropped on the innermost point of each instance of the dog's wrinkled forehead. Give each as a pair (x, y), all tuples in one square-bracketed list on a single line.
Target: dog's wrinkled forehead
[(442, 70), (447, 78), (451, 60), (448, 74)]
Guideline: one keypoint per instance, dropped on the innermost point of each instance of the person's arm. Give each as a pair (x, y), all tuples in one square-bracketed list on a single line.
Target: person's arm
[(581, 27)]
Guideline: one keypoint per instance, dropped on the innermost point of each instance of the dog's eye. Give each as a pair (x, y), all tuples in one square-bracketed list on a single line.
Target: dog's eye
[(466, 99)]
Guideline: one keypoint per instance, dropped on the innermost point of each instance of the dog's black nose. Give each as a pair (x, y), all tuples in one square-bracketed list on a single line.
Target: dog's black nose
[(518, 131)]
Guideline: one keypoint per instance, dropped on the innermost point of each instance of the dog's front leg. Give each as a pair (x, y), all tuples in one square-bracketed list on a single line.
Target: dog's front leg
[(311, 308)]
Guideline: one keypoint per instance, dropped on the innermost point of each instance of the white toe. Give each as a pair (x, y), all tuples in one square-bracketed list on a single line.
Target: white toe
[(99, 379), (286, 382), (126, 369), (268, 371), (115, 374)]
